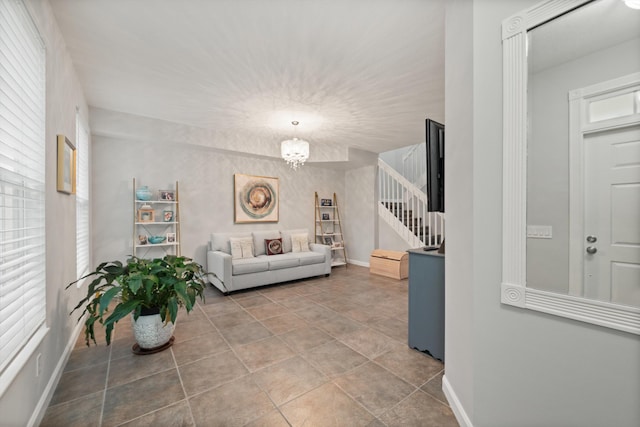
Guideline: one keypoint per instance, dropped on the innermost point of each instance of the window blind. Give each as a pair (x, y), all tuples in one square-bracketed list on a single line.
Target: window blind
[(83, 253), (22, 181)]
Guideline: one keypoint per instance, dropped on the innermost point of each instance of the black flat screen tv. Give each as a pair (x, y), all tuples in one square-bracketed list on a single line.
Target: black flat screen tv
[(435, 166)]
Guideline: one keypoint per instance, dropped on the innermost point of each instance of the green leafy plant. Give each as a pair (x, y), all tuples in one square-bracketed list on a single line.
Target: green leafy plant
[(141, 286)]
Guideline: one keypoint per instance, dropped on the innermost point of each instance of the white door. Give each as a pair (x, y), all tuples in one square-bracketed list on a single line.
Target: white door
[(612, 216)]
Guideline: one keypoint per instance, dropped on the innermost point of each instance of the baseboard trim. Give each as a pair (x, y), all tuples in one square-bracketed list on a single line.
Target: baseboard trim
[(359, 263), (454, 403), (47, 394)]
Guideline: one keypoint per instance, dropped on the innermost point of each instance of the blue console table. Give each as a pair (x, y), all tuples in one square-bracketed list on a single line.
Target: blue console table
[(426, 302)]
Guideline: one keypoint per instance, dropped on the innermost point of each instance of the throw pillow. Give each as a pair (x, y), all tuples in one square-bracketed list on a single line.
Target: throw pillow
[(286, 238), (300, 242), (273, 246), (241, 247)]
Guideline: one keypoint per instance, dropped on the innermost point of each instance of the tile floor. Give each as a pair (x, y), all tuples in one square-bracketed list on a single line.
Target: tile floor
[(328, 351)]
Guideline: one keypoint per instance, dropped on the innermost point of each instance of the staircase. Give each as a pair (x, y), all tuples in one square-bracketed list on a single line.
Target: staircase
[(403, 206)]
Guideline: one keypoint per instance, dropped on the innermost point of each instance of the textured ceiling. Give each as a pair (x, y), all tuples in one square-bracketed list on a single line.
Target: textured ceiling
[(358, 73)]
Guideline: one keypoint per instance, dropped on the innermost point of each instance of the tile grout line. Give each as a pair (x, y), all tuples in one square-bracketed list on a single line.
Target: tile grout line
[(184, 390)]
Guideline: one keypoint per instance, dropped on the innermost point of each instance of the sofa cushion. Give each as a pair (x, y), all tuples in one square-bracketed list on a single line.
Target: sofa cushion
[(273, 246), (286, 238), (220, 241), (300, 242), (249, 265), (259, 238), (278, 262), (308, 258), (241, 247)]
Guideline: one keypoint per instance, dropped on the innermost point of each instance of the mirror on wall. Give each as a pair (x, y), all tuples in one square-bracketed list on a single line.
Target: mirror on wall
[(572, 161)]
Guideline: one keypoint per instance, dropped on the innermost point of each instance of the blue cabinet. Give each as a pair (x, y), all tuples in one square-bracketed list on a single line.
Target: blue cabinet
[(426, 302)]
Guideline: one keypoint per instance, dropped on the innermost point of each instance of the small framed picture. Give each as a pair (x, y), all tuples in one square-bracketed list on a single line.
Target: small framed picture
[(168, 195), (325, 217), (328, 241), (171, 237), (167, 215), (146, 215), (142, 239), (326, 202)]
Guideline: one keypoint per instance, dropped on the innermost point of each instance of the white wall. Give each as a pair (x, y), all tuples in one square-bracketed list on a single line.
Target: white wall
[(28, 395), (361, 220), (205, 178), (508, 366), (389, 239)]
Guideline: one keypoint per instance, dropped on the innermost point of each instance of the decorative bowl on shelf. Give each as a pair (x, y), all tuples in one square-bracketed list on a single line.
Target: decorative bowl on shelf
[(156, 239), (143, 193)]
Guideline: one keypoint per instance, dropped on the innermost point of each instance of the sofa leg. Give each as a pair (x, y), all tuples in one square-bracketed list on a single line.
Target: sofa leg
[(327, 275)]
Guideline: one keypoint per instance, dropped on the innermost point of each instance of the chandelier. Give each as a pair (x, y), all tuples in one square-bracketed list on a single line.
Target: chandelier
[(295, 151)]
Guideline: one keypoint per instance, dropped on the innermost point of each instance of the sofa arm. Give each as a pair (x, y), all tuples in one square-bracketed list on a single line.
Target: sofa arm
[(219, 270), (326, 250)]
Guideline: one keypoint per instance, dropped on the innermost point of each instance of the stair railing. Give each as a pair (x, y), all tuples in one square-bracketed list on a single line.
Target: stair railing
[(404, 207), (414, 165)]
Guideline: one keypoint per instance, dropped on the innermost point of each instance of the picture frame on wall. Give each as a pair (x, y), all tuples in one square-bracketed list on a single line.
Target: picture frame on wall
[(256, 198), (66, 177)]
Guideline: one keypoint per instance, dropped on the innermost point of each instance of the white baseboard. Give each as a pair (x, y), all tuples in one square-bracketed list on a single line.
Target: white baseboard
[(359, 263), (47, 394), (454, 403)]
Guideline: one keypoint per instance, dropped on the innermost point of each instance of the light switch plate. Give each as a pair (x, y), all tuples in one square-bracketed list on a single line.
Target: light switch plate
[(539, 231)]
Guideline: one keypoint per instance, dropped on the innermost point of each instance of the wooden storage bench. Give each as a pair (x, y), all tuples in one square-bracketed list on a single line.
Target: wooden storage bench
[(392, 264)]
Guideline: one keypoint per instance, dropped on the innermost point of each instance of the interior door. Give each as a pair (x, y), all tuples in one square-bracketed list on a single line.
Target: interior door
[(612, 216)]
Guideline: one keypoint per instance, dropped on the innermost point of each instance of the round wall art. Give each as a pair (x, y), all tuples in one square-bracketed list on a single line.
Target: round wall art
[(256, 198)]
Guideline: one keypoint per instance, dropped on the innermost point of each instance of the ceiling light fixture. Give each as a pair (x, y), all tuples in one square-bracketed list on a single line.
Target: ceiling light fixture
[(295, 151), (633, 4)]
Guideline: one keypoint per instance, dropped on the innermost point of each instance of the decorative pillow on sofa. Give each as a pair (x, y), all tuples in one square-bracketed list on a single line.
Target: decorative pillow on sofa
[(300, 242), (258, 240), (241, 247), (286, 238), (273, 246)]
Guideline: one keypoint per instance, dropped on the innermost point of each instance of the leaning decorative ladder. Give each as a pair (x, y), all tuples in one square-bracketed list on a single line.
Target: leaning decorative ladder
[(328, 229)]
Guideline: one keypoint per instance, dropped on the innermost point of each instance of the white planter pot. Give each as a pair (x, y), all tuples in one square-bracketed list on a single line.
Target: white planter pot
[(150, 332)]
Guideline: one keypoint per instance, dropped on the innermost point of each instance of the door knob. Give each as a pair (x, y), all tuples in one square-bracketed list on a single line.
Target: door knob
[(592, 239), (591, 250)]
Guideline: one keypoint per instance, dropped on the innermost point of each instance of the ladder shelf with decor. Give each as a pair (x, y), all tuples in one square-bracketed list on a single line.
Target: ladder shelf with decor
[(156, 222), (328, 229)]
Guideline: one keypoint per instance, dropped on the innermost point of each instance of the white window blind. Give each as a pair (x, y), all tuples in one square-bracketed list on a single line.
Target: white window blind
[(22, 184), (82, 200)]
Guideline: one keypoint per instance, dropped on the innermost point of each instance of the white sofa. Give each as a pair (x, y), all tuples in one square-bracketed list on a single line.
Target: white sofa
[(231, 274)]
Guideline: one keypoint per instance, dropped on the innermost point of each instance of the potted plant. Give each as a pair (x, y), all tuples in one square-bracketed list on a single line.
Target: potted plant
[(151, 290)]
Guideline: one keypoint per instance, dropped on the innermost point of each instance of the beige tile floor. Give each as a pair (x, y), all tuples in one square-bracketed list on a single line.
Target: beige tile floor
[(328, 351)]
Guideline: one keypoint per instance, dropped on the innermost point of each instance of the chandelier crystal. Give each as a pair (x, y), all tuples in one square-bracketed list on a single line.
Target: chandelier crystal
[(295, 151)]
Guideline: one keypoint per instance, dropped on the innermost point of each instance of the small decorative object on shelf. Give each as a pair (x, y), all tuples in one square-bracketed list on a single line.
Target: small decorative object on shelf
[(167, 195), (156, 224), (146, 214), (329, 229), (143, 193), (154, 240)]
